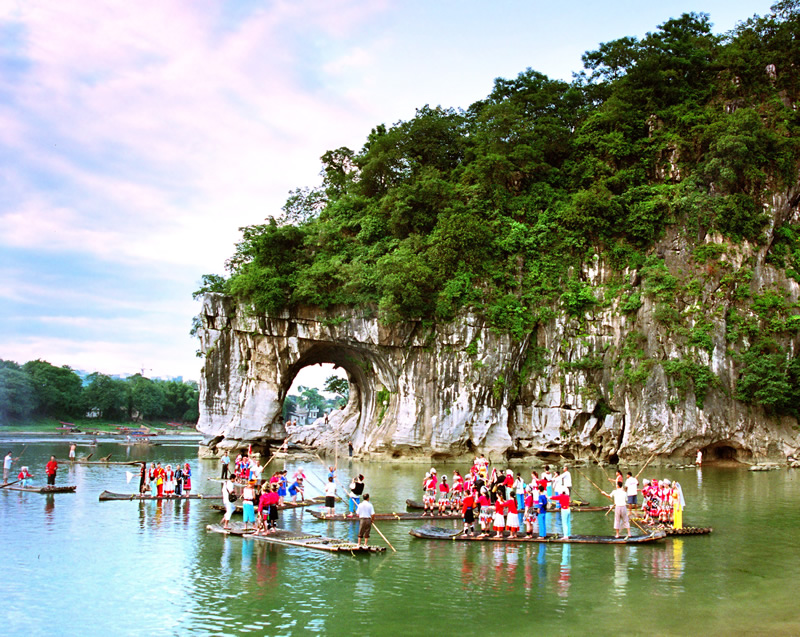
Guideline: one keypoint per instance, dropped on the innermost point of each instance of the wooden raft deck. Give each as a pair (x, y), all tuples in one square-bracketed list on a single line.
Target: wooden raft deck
[(107, 496), (389, 517), (577, 506), (287, 538), (436, 533), (281, 507)]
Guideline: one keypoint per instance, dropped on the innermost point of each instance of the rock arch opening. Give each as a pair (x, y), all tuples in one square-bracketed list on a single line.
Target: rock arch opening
[(369, 383)]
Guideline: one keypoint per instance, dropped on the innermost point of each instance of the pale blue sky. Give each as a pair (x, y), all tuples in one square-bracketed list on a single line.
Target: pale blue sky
[(136, 138)]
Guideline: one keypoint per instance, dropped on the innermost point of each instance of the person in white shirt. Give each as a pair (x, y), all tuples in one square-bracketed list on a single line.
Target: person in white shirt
[(566, 481), (631, 489), (365, 512), (620, 498), (330, 495)]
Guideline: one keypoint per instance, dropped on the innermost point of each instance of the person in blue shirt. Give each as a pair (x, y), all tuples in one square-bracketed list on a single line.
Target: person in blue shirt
[(225, 460), (541, 503), (295, 488)]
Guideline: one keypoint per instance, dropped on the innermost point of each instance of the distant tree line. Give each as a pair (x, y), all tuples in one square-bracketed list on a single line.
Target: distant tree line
[(38, 389)]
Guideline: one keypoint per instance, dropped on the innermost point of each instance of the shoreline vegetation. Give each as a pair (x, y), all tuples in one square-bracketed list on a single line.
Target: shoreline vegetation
[(38, 391), (87, 425)]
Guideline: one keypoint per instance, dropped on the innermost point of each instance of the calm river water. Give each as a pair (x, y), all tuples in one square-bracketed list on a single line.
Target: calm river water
[(72, 565)]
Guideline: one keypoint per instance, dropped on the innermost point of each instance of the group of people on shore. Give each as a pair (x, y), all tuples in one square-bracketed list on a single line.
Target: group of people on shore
[(161, 482)]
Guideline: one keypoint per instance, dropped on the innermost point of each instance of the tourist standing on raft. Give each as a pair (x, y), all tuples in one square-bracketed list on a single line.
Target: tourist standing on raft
[(542, 513), (468, 513), (187, 478), (566, 515), (366, 513), (566, 481), (153, 475), (50, 469), (248, 505), (7, 462), (229, 500), (225, 460), (72, 452), (620, 498), (330, 496), (677, 505), (631, 490), (356, 489), (143, 479)]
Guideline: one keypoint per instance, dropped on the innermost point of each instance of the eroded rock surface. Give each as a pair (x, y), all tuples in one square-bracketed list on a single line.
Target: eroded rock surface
[(587, 387)]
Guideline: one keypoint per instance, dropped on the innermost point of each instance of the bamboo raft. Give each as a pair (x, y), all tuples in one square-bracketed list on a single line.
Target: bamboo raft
[(438, 533), (69, 489), (102, 462), (281, 507), (106, 496), (577, 506), (340, 517), (686, 530), (288, 538)]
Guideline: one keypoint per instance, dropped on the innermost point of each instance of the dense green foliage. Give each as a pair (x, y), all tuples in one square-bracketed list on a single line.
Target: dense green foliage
[(498, 208), (39, 389), (489, 207)]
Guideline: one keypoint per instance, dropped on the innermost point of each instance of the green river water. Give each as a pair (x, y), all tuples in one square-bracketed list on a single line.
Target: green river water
[(72, 565)]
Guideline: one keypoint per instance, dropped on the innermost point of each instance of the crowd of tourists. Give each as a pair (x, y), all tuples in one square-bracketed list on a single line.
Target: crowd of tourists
[(166, 481), (262, 496), (506, 502), (502, 501)]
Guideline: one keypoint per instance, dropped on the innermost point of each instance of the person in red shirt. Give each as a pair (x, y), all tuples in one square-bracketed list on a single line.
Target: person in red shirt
[(529, 517), (23, 477), (566, 521), (468, 513), (499, 522), (444, 494), (512, 516), (272, 502), (486, 511), (50, 469), (430, 483)]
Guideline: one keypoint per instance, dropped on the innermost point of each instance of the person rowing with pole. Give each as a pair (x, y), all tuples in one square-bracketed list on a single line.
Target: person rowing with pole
[(620, 498), (366, 515)]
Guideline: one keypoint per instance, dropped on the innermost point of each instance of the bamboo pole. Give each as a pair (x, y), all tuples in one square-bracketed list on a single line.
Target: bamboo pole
[(384, 537), (272, 457), (645, 464)]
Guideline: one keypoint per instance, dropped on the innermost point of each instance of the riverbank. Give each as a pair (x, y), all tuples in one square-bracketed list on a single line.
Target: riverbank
[(88, 426)]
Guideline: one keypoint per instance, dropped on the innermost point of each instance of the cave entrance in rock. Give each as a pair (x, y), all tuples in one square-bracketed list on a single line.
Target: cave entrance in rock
[(722, 452)]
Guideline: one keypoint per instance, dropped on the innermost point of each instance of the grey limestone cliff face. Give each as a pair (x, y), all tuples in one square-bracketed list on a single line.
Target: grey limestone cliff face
[(599, 385)]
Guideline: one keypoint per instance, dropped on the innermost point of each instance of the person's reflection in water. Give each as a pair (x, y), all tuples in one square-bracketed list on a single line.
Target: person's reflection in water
[(512, 558), (542, 565), (678, 564), (49, 507), (247, 554), (142, 515), (266, 567), (225, 559), (620, 570), (565, 572)]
